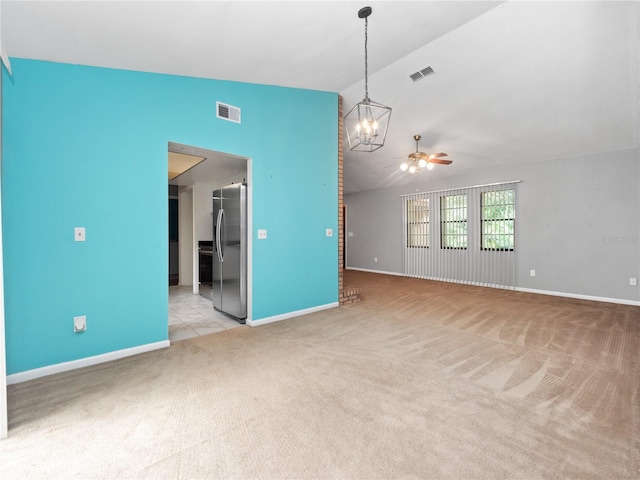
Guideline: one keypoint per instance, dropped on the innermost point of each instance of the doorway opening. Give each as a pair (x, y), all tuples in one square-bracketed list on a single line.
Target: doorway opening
[(191, 311)]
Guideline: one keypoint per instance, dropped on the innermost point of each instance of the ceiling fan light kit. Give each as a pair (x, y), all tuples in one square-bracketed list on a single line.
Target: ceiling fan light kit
[(418, 161), (367, 122)]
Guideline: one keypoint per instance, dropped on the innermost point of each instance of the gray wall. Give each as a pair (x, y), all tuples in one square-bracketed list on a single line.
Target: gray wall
[(577, 223)]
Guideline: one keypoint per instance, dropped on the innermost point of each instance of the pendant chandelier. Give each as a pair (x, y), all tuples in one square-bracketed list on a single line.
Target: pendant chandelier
[(367, 122)]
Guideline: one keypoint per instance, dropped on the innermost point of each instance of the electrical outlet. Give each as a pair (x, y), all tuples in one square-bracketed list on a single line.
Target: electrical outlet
[(633, 281), (532, 273), (80, 323), (262, 234), (350, 234)]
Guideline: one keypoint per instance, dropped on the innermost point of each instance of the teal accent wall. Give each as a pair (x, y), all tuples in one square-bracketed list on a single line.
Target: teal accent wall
[(86, 146)]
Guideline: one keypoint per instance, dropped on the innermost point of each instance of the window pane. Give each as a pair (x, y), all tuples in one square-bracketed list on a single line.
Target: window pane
[(498, 220), (418, 222), (453, 221)]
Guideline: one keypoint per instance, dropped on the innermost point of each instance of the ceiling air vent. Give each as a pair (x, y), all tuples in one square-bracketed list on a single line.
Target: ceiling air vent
[(228, 112), (421, 73)]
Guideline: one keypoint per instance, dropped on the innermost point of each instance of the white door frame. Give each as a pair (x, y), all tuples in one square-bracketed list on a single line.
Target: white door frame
[(3, 362)]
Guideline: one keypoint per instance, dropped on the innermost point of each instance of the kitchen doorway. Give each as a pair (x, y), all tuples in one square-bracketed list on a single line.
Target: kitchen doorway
[(192, 314)]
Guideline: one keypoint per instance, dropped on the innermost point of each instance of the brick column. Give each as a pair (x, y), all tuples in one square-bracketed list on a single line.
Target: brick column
[(340, 200), (352, 294)]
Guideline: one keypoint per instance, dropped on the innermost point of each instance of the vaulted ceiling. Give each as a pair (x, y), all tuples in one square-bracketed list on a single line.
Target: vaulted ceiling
[(514, 82)]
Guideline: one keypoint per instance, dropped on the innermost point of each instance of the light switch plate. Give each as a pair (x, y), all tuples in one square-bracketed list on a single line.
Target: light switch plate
[(633, 281), (79, 234), (532, 273), (329, 232), (262, 234)]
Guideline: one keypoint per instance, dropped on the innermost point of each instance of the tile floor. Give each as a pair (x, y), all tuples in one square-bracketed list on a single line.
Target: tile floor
[(193, 315)]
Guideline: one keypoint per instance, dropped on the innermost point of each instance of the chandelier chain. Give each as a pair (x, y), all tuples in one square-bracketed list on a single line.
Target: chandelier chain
[(366, 65)]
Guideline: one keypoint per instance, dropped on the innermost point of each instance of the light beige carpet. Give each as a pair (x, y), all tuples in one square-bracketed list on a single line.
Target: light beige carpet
[(419, 380)]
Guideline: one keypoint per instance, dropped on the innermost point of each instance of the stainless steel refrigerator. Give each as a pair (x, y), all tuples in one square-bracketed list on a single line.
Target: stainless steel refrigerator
[(229, 290)]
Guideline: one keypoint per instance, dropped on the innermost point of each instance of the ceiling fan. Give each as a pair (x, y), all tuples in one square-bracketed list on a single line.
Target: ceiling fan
[(417, 161)]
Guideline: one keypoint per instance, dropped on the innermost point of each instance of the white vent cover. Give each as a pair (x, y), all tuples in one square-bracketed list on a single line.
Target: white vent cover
[(227, 112), (421, 73)]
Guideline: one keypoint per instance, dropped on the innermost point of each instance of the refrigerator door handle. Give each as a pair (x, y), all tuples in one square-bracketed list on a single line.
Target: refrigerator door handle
[(219, 234)]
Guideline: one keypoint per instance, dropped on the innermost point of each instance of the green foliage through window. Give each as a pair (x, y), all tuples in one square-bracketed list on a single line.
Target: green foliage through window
[(498, 220), (453, 221)]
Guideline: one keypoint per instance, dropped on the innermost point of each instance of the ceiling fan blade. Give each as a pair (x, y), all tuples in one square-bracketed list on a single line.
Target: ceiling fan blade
[(439, 154), (441, 161)]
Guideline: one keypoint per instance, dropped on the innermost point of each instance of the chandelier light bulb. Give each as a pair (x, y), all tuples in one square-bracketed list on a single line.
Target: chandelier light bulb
[(404, 167), (422, 163), (412, 169), (430, 166)]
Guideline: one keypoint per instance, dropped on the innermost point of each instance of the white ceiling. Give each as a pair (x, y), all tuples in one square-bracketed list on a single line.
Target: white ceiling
[(515, 82)]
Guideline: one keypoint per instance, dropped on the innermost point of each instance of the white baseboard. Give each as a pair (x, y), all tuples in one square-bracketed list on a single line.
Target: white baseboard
[(519, 289), (579, 296), (83, 362), (297, 313), (375, 271)]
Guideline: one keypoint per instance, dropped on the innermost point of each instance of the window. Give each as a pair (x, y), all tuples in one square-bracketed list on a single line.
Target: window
[(463, 234), (418, 222), (498, 220), (453, 221)]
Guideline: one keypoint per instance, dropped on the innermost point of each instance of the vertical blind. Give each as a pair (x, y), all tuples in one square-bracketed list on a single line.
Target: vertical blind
[(464, 235)]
